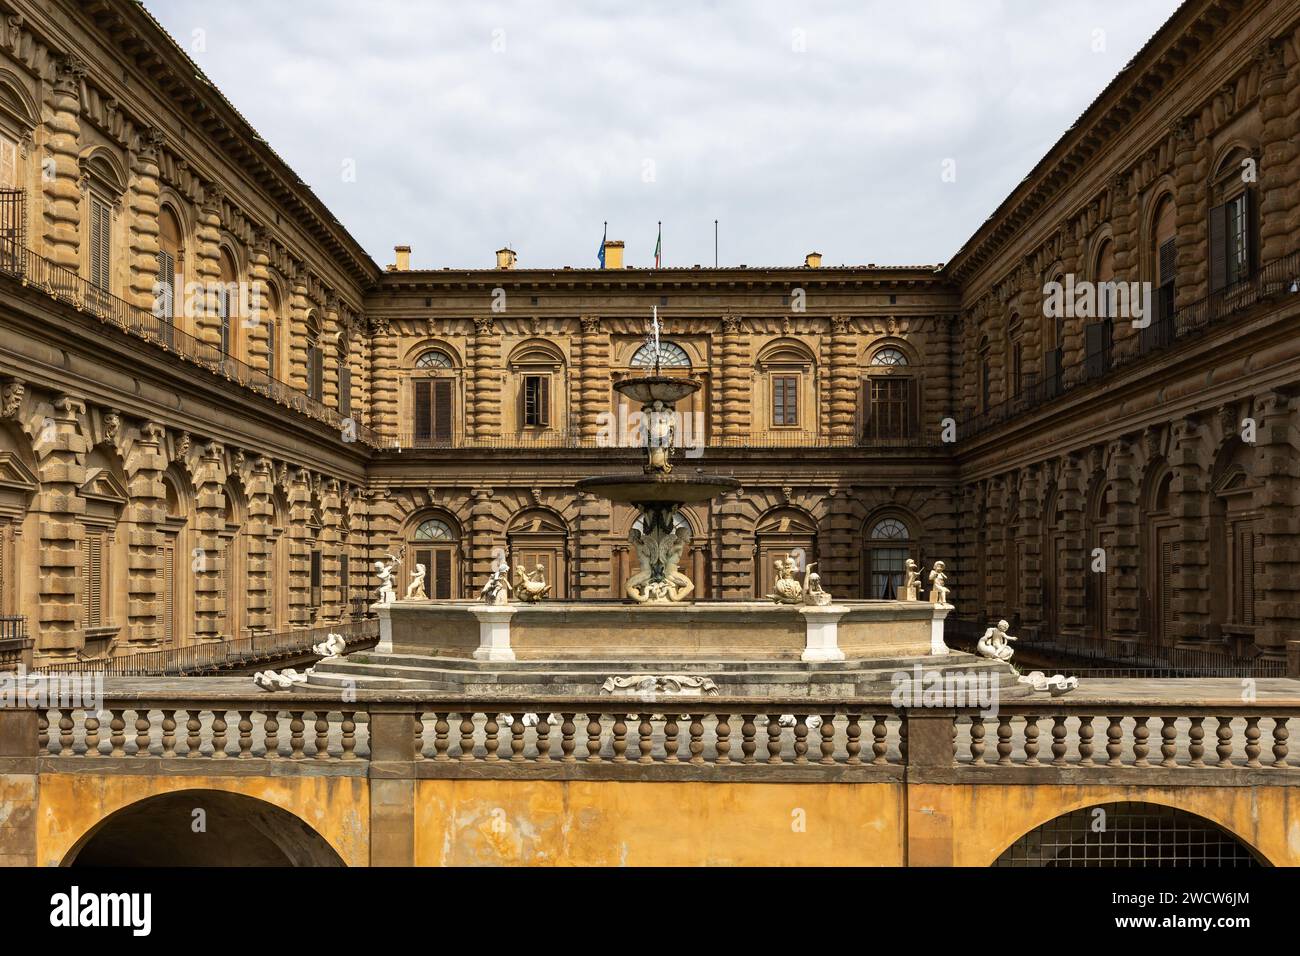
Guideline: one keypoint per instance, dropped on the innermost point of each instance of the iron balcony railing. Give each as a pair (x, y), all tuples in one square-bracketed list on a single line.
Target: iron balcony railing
[(1276, 278), (219, 655), (37, 272), (755, 440)]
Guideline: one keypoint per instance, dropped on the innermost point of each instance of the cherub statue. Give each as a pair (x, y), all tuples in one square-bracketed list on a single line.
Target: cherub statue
[(332, 646), (911, 581), (938, 584), (660, 435), (786, 589), (678, 584), (812, 588), (497, 588), (637, 581), (994, 644), (386, 571), (532, 587), (415, 590)]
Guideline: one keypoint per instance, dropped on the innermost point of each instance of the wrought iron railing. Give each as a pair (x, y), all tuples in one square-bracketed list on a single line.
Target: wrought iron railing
[(756, 440), (1279, 277), (65, 285), (218, 655)]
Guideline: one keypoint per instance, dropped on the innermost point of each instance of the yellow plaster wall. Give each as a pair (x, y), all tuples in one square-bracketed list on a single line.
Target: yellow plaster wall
[(338, 808), (495, 822)]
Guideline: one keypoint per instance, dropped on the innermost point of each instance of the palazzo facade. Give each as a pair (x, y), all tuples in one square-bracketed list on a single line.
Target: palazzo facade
[(218, 411)]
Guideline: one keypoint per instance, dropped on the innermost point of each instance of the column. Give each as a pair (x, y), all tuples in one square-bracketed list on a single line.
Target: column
[(331, 546), (1123, 610), (736, 380), (295, 330), (142, 203), (1029, 530), (1278, 173), (594, 391), (145, 463), (384, 379), (60, 451), (1189, 502), (207, 267), (261, 512), (595, 569), (1126, 339), (486, 374), (300, 611), (210, 521), (257, 344), (329, 346), (1278, 470), (62, 194), (1074, 552), (841, 397)]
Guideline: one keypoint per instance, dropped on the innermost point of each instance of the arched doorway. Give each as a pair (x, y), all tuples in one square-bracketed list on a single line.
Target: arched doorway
[(1236, 546), (1128, 834), (1159, 562), (1099, 577), (202, 828), (233, 603), (435, 543), (779, 533), (540, 537), (885, 543), (175, 569)]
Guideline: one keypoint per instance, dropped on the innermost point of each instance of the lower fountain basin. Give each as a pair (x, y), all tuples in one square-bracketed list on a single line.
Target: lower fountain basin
[(658, 489)]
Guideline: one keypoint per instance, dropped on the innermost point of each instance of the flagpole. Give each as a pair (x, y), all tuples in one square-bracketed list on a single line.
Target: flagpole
[(715, 243)]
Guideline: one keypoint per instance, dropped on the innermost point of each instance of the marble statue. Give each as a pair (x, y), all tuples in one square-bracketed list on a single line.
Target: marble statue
[(787, 589), (497, 588), (1056, 685), (531, 586), (995, 644), (663, 550), (911, 581), (386, 571), (812, 721), (415, 590), (812, 588), (286, 679), (661, 434), (332, 646), (938, 584)]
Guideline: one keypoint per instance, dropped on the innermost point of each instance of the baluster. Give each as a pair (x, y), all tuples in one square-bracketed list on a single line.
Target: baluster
[(296, 743), (1058, 740), (441, 736), (517, 737), (567, 742), (723, 748), (543, 738), (348, 730), (66, 736), (620, 739), (593, 738), (1114, 741), (645, 739), (466, 735), (879, 740), (773, 738), (271, 727), (490, 742), (92, 735), (1223, 750), (853, 740), (322, 735), (697, 738), (43, 733), (245, 734), (800, 738), (1280, 735), (1004, 738), (828, 739), (193, 734), (670, 739), (1140, 734), (1085, 742), (977, 740), (1169, 742), (748, 745), (1031, 741), (1252, 742), (1196, 742), (902, 738), (142, 739), (417, 735), (168, 733), (118, 739), (219, 734)]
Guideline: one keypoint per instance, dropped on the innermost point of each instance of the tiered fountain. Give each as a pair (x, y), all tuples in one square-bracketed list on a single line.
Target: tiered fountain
[(659, 637)]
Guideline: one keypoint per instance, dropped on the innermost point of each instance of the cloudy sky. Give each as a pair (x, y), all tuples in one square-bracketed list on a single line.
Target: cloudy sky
[(459, 127)]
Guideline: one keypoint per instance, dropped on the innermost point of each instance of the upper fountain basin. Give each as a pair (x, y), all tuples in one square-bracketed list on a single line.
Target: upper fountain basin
[(658, 489), (647, 389)]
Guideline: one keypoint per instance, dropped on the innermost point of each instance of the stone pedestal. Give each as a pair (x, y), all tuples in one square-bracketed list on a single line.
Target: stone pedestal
[(823, 633), (494, 632)]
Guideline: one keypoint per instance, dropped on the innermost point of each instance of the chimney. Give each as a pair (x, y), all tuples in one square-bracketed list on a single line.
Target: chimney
[(506, 258), (813, 260), (613, 254), (403, 258)]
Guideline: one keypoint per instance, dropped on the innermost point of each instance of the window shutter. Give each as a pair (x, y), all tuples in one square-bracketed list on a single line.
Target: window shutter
[(913, 423), (1095, 341), (1251, 231), (167, 283), (865, 403), (166, 580), (792, 400), (224, 589), (100, 230), (8, 162), (92, 548), (1051, 370), (442, 410), (1218, 248), (345, 573), (345, 391), (270, 349), (544, 401), (315, 579), (423, 410), (441, 572)]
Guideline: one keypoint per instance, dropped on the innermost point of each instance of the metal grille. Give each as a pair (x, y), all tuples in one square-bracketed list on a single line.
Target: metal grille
[(1128, 835), (13, 222)]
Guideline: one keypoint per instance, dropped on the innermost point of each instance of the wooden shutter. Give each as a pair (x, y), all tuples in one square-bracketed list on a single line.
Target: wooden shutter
[(345, 573), (167, 589), (167, 284), (423, 401), (270, 349), (225, 597), (315, 579), (912, 426), (8, 162), (1168, 261), (345, 391), (1165, 583), (543, 400), (1218, 247), (865, 402), (1096, 338), (100, 246), (441, 572), (92, 550), (441, 411)]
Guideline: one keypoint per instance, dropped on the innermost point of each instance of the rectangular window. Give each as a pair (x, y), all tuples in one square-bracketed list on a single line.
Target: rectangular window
[(315, 579), (315, 373), (537, 400), (272, 366), (92, 578), (432, 401), (223, 313), (101, 229), (345, 391), (1231, 227), (166, 286), (785, 400), (437, 572), (1097, 344), (1016, 371), (889, 414)]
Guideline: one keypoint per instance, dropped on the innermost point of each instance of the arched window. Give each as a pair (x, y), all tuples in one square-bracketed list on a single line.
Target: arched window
[(433, 400), (890, 397), (671, 355), (889, 356), (343, 356), (1161, 529), (273, 325), (885, 553), (227, 297), (436, 544), (985, 376), (433, 358), (103, 549), (1164, 273), (315, 359), (171, 265), (1233, 227), (1054, 342), (1100, 579), (1015, 355), (105, 186), (1098, 334), (1236, 558)]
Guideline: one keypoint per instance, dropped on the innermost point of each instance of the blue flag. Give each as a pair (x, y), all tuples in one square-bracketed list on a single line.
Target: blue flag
[(600, 256)]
